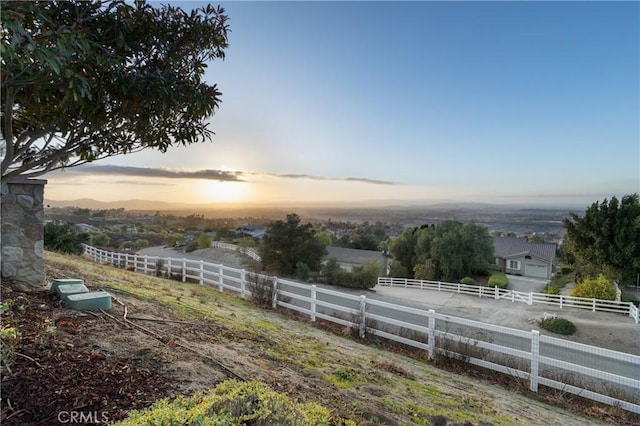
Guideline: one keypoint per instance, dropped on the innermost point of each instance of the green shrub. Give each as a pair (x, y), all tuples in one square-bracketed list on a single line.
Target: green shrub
[(362, 276), (566, 269), (599, 288), (331, 272), (233, 403), (628, 297), (558, 326), (468, 281), (302, 271), (62, 238), (549, 289), (204, 240), (498, 279)]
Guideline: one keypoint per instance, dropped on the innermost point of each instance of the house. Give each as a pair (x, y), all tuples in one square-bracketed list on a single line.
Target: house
[(349, 258), (516, 256), (249, 231)]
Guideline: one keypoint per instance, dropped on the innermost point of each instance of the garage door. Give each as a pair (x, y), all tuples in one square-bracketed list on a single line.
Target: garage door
[(536, 271)]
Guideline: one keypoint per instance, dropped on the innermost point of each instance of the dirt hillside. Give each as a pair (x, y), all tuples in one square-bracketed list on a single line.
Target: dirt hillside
[(165, 338)]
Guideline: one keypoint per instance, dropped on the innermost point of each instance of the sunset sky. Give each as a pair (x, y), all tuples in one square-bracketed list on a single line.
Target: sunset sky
[(411, 102)]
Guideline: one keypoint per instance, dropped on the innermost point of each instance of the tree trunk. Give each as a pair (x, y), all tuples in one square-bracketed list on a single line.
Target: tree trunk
[(22, 235)]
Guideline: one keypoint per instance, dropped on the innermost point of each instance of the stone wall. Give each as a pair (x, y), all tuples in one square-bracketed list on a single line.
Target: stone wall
[(22, 237)]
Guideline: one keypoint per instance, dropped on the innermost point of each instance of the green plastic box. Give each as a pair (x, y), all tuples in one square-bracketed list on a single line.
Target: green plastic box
[(64, 281), (67, 290), (92, 301)]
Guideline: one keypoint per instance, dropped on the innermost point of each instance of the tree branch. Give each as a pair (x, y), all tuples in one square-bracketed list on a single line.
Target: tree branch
[(8, 129)]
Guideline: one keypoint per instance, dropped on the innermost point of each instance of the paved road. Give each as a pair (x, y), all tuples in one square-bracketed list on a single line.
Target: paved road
[(500, 312)]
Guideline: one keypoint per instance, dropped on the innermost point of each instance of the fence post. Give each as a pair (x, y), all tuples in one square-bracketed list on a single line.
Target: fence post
[(145, 263), (243, 275), (184, 270), (221, 276), (480, 292), (406, 282), (169, 267), (135, 263), (535, 360), (432, 333), (274, 301), (561, 301), (313, 303), (458, 288), (593, 309), (438, 285), (495, 292), (363, 316), (202, 272), (530, 302)]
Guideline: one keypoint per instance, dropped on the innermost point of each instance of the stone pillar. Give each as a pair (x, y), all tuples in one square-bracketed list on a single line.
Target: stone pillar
[(22, 237)]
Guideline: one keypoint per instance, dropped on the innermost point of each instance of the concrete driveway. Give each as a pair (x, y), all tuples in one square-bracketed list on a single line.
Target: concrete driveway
[(526, 284)]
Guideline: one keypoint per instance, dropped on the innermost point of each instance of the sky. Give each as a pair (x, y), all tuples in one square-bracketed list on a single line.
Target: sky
[(532, 103)]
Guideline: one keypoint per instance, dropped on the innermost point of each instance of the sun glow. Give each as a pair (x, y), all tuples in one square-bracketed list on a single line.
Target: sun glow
[(226, 192)]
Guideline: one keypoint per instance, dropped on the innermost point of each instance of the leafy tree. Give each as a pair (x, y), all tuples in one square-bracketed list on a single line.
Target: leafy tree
[(606, 239), (288, 242), (403, 249), (447, 252), (598, 288), (82, 81), (62, 238), (324, 237)]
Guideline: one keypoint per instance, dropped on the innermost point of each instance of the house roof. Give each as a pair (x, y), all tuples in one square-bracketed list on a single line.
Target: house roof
[(510, 247), (353, 256)]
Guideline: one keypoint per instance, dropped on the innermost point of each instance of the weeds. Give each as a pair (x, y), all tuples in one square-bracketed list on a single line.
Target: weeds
[(8, 337), (261, 289)]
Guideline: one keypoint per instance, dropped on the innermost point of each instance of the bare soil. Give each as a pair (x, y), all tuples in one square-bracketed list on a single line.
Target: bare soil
[(158, 342)]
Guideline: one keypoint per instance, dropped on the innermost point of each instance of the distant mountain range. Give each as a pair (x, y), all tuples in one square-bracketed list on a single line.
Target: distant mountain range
[(153, 205)]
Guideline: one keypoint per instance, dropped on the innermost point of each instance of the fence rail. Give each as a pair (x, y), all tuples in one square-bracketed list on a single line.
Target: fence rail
[(252, 254), (559, 300), (599, 374)]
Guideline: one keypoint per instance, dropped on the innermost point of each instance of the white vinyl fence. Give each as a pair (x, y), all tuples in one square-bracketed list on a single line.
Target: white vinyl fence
[(591, 372), (252, 254), (559, 300)]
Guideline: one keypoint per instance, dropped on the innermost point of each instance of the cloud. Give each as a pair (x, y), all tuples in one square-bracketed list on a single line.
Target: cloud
[(326, 178), (207, 174), (210, 174)]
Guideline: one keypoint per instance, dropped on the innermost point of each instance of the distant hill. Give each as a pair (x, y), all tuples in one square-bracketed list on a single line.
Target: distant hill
[(88, 203)]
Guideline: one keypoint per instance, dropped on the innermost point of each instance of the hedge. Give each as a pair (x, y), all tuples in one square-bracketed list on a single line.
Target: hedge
[(499, 280)]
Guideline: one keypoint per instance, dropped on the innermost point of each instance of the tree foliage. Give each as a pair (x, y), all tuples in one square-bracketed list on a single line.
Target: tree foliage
[(606, 239), (447, 252), (288, 242), (86, 80), (62, 238)]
